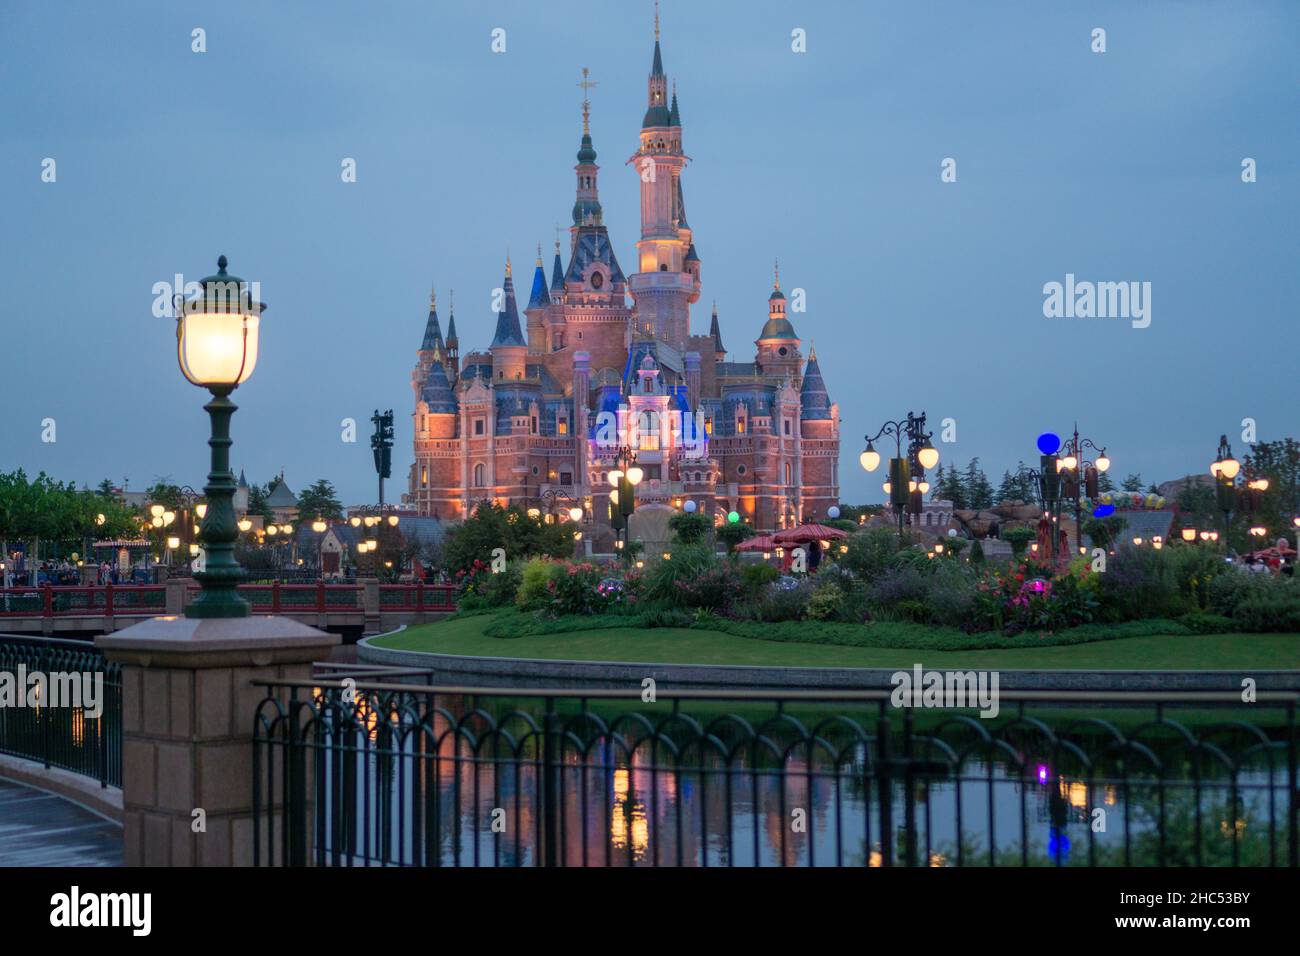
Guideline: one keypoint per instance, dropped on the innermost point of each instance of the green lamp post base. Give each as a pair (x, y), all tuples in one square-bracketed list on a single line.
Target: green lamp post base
[(222, 573)]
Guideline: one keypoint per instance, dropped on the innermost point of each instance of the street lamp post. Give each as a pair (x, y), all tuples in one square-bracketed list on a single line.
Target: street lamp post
[(1082, 475), (906, 474), (216, 348), (1225, 469), (622, 497)]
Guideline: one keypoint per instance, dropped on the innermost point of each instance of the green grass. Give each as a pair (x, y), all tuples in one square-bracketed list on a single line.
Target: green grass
[(465, 635)]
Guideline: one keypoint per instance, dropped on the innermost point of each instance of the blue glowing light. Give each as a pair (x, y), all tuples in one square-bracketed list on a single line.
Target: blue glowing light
[(1048, 443), (1102, 511)]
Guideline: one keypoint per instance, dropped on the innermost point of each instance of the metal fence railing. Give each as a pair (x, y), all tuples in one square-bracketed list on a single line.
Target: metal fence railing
[(49, 713), (374, 770)]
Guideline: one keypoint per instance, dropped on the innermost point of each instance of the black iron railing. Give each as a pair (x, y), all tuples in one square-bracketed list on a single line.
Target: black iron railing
[(55, 732), (366, 773)]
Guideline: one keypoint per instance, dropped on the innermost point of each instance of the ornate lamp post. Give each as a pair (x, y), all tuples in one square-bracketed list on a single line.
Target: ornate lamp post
[(906, 475), (1080, 474), (216, 347), (622, 499), (1225, 469)]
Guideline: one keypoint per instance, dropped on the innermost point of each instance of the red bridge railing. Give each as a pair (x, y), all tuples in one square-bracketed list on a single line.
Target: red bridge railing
[(109, 600)]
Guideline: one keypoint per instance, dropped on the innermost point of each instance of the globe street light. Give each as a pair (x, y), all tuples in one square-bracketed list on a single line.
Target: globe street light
[(903, 487), (216, 348), (1225, 469)]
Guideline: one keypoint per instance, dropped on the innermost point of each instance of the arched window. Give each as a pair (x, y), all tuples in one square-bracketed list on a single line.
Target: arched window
[(479, 473), (787, 473), (648, 427)]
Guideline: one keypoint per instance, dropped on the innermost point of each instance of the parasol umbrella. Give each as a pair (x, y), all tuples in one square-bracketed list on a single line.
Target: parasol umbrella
[(1043, 537), (808, 533), (761, 542)]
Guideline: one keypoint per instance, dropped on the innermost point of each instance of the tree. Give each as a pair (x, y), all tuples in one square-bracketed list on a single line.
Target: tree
[(1104, 531), (320, 501), (732, 533), (1279, 462), (979, 493), (257, 506), (1018, 486), (951, 487), (1133, 483), (491, 526), (689, 528), (1105, 484)]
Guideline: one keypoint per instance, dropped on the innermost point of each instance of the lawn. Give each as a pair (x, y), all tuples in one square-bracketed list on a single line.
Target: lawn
[(465, 636)]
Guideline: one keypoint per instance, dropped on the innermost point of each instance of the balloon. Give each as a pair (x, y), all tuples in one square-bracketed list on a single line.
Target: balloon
[(1048, 443), (689, 507), (1102, 511)]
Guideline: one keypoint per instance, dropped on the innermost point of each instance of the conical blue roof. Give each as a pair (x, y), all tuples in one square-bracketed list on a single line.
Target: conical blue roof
[(508, 330), (432, 331), (814, 400), (557, 272), (539, 299), (437, 393)]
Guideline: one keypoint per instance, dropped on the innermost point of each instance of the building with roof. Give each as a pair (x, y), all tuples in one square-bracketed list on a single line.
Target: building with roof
[(539, 414)]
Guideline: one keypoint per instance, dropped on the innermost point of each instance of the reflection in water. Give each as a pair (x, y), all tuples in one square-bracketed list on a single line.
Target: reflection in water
[(473, 795)]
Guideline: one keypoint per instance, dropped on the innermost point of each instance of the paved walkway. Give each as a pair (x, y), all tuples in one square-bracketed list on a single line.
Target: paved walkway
[(40, 829)]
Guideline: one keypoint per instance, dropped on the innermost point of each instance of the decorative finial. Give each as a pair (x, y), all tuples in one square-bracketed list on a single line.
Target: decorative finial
[(507, 263), (812, 351), (776, 274), (433, 298), (715, 308), (586, 85), (656, 21), (557, 239), (539, 255), (452, 292)]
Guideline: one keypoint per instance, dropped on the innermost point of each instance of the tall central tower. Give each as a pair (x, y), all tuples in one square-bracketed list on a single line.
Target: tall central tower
[(667, 280)]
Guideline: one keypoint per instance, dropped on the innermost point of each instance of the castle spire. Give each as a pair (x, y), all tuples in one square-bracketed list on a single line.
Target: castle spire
[(557, 270), (432, 331), (508, 332), (587, 204), (656, 113), (538, 299)]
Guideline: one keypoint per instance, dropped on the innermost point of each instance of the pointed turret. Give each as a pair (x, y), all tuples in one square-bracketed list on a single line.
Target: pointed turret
[(674, 116), (815, 402), (656, 113), (432, 331), (539, 298), (586, 207), (716, 333), (437, 392), (508, 331), (557, 270)]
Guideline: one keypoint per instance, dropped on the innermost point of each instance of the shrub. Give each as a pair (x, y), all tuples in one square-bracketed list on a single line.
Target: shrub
[(1233, 587), (976, 552), (951, 594), (870, 553), (898, 586), (1138, 584), (1199, 622), (533, 585), (1275, 608), (785, 600), (755, 578), (580, 589), (664, 580), (826, 602), (713, 588), (667, 617), (689, 528), (1018, 538)]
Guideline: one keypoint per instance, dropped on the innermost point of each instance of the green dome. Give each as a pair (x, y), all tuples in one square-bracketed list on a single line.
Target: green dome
[(778, 328)]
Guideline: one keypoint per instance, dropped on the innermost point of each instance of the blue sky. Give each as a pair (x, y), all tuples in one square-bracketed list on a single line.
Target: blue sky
[(1122, 166)]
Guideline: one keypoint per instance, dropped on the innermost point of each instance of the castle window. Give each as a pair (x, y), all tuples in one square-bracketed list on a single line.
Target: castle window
[(566, 477), (478, 426), (787, 473), (479, 473), (533, 425), (786, 422), (648, 426), (562, 427), (424, 474), (708, 425), (740, 426), (663, 267)]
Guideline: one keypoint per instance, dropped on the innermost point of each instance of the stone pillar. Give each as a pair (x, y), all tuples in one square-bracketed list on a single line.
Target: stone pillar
[(176, 595), (188, 706), (370, 604)]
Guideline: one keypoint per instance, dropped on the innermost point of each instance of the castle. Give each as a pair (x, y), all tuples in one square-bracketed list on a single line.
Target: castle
[(521, 421)]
